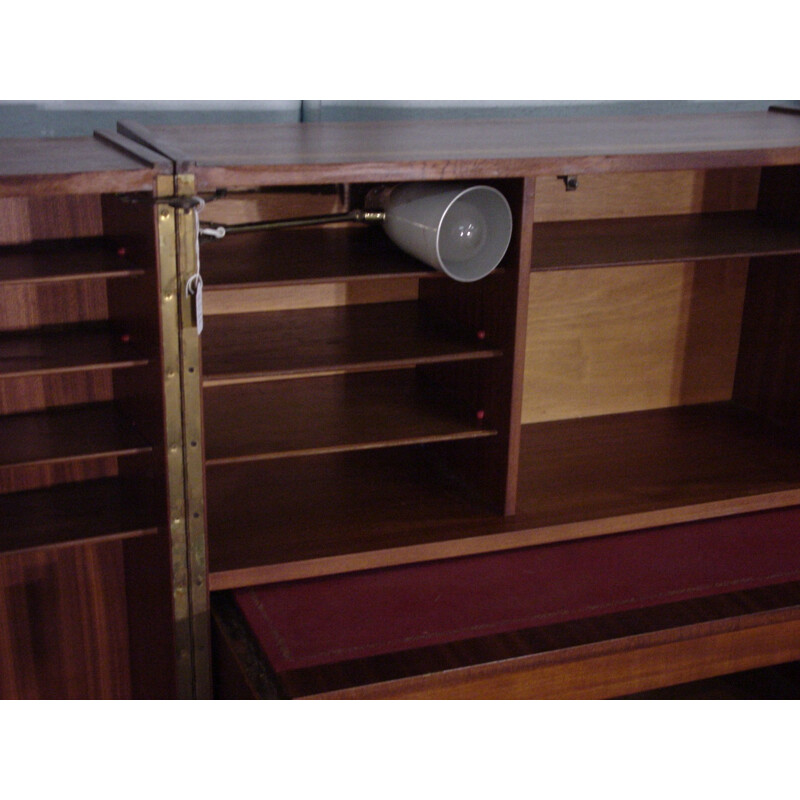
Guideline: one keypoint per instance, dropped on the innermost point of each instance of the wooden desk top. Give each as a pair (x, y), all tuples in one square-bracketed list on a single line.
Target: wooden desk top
[(414, 150)]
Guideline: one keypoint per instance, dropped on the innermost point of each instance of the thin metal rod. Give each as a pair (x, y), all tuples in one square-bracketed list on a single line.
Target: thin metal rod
[(357, 215)]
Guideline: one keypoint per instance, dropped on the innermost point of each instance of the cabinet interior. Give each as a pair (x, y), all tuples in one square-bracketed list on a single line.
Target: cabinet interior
[(641, 393), (82, 470)]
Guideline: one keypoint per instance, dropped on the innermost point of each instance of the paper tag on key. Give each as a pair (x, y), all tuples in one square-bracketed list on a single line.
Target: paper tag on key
[(194, 289)]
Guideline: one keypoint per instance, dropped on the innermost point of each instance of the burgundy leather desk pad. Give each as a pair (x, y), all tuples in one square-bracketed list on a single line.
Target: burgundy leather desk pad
[(331, 619)]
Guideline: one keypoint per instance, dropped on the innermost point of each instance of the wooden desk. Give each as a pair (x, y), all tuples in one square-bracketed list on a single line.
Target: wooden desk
[(626, 375)]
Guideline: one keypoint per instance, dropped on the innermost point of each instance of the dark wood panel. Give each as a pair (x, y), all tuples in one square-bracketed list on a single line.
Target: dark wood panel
[(498, 305), (650, 240), (34, 305), (39, 476), (609, 669), (75, 513), (59, 350), (305, 255), (135, 308), (323, 414), (769, 352), (27, 218), (578, 478), (34, 393), (66, 434), (62, 260), (624, 464), (268, 522), (151, 622), (63, 624), (76, 165), (413, 150), (361, 337)]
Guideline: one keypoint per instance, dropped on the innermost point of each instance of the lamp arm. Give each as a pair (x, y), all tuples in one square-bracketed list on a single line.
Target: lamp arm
[(217, 231)]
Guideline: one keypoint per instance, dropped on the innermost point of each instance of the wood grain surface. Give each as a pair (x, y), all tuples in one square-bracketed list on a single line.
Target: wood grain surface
[(328, 414), (63, 629), (357, 337), (252, 155), (578, 478)]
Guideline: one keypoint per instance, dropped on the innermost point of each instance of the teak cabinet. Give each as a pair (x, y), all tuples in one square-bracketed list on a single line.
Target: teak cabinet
[(577, 477)]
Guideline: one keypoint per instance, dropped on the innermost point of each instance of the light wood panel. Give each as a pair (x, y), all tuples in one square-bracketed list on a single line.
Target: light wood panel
[(234, 209), (637, 194), (621, 339)]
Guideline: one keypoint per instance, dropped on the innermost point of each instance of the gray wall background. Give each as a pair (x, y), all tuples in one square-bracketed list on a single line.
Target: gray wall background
[(41, 118)]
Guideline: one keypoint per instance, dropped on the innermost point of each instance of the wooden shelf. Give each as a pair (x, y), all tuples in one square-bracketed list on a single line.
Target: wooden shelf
[(62, 349), (239, 347), (78, 513), (320, 515), (67, 434), (654, 463), (335, 413), (63, 260), (651, 240), (578, 478), (305, 255)]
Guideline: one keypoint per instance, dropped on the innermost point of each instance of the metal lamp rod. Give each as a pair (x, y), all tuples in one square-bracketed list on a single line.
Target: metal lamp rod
[(217, 231)]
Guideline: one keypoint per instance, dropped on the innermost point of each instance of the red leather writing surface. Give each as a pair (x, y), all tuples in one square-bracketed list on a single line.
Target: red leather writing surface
[(325, 620)]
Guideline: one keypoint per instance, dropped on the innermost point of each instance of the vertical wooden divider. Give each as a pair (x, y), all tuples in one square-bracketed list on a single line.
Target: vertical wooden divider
[(134, 306), (495, 308), (769, 353)]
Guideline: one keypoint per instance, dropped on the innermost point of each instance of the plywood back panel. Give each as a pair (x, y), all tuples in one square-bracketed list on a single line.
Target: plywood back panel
[(628, 338), (235, 209), (638, 194), (604, 341), (317, 295)]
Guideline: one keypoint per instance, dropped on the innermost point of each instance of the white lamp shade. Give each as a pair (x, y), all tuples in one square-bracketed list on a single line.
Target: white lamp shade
[(464, 231)]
